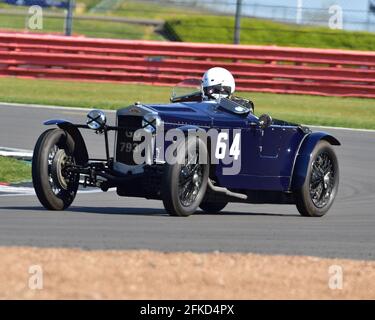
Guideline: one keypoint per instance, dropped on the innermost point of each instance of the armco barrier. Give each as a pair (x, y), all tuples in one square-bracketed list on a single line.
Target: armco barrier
[(256, 68)]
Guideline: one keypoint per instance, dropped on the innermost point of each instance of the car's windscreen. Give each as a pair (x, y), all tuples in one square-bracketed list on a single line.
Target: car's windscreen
[(186, 89)]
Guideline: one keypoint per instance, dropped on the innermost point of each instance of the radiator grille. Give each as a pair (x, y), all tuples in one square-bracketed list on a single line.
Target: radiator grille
[(125, 143)]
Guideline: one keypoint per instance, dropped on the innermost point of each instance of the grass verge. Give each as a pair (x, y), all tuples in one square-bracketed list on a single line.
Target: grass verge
[(313, 110), (194, 24), (12, 170), (96, 29), (264, 32)]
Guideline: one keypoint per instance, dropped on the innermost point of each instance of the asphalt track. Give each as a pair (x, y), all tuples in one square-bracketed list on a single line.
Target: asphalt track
[(105, 221)]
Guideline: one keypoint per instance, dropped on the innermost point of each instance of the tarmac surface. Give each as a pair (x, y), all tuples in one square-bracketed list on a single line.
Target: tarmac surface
[(106, 221)]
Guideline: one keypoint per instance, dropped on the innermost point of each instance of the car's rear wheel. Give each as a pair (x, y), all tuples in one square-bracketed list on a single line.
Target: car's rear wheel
[(213, 207), (319, 190), (54, 185), (185, 182)]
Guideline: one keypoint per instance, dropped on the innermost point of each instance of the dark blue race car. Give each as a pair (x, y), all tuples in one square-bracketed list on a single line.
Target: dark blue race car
[(226, 154)]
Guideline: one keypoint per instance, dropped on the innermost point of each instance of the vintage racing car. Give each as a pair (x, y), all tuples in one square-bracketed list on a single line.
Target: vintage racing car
[(277, 162)]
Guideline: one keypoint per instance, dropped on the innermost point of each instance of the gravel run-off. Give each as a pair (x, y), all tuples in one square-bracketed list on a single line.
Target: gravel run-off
[(83, 274)]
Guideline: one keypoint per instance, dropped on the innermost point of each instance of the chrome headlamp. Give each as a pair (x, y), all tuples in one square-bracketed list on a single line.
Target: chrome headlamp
[(96, 119), (151, 121)]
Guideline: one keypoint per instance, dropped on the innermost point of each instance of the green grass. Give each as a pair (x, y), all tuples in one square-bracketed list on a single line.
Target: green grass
[(143, 9), (200, 25), (265, 32), (129, 9), (89, 4), (12, 170), (313, 110), (78, 94), (99, 29)]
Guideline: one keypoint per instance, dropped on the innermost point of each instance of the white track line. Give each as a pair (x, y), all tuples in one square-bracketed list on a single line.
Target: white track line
[(16, 153), (340, 128), (12, 191), (39, 106)]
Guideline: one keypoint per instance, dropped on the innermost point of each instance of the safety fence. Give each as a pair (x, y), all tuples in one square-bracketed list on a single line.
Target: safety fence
[(256, 68)]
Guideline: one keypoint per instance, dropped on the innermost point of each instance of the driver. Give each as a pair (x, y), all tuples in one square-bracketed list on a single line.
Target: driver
[(218, 82)]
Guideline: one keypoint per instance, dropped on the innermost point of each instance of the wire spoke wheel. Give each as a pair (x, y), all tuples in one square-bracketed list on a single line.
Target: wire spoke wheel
[(322, 180), (315, 197), (190, 180), (185, 182)]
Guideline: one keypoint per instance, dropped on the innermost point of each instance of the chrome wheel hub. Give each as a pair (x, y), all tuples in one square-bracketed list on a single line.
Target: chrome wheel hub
[(196, 179), (57, 162)]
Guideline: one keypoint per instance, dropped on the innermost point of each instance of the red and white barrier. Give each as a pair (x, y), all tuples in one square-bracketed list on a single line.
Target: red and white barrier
[(256, 68)]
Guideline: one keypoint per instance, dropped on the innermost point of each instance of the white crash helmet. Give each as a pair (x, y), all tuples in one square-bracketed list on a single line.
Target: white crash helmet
[(217, 82)]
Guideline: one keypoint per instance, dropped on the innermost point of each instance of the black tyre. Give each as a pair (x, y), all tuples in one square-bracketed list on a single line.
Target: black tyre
[(319, 190), (184, 185), (212, 207), (54, 186)]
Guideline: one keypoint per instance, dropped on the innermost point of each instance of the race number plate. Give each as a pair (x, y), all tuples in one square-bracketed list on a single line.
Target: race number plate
[(126, 146)]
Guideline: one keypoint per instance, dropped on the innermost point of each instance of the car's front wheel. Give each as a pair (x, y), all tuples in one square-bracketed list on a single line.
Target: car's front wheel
[(54, 185), (319, 190), (185, 182)]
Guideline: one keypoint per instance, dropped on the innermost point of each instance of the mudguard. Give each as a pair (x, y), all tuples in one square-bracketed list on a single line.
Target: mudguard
[(303, 156), (80, 150)]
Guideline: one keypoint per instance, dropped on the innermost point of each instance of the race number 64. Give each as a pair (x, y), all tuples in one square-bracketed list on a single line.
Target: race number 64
[(222, 143)]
